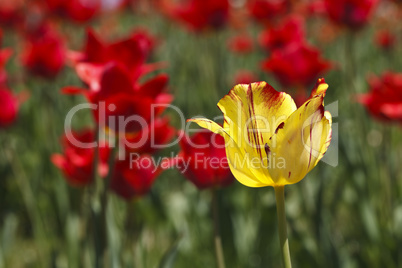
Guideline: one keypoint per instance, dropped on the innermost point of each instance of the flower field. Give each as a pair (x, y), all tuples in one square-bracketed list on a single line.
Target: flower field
[(150, 133)]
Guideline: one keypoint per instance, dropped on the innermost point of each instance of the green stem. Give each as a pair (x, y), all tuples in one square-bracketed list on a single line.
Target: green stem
[(130, 227), (101, 199), (283, 236), (220, 259)]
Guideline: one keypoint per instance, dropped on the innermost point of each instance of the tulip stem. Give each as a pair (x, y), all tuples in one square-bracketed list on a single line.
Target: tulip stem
[(101, 240), (282, 226), (218, 242)]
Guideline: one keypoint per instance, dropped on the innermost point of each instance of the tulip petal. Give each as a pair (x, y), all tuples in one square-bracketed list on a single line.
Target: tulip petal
[(253, 112), (300, 143), (239, 163), (153, 87), (209, 124), (72, 90), (58, 160), (320, 88)]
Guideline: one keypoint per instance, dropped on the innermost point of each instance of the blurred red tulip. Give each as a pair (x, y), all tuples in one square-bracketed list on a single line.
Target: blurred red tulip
[(351, 13), (149, 140), (241, 44), (76, 10), (265, 11), (199, 15), (134, 177), (316, 7), (148, 41), (130, 52), (385, 39), (11, 13), (297, 65), (8, 107), (112, 70), (384, 101), (77, 162), (93, 50), (9, 103), (128, 105), (245, 77), (288, 32), (202, 160), (44, 54), (111, 5)]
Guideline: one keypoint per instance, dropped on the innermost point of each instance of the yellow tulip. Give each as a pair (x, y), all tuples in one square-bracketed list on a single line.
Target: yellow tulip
[(269, 141)]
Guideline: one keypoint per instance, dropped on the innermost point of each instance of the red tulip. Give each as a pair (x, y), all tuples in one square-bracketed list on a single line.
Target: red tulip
[(134, 177), (112, 71), (130, 53), (384, 101), (351, 13), (112, 5), (316, 7), (77, 162), (265, 11), (93, 50), (199, 15), (245, 77), (122, 99), (11, 13), (385, 39), (288, 32), (8, 107), (202, 160), (297, 65), (158, 133), (148, 42), (241, 44), (76, 10), (44, 54)]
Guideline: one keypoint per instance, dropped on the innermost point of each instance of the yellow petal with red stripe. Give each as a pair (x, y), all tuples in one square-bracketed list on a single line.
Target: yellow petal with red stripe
[(238, 162), (252, 112), (301, 142)]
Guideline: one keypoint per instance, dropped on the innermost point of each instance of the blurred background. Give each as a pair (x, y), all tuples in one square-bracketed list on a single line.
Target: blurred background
[(56, 211)]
